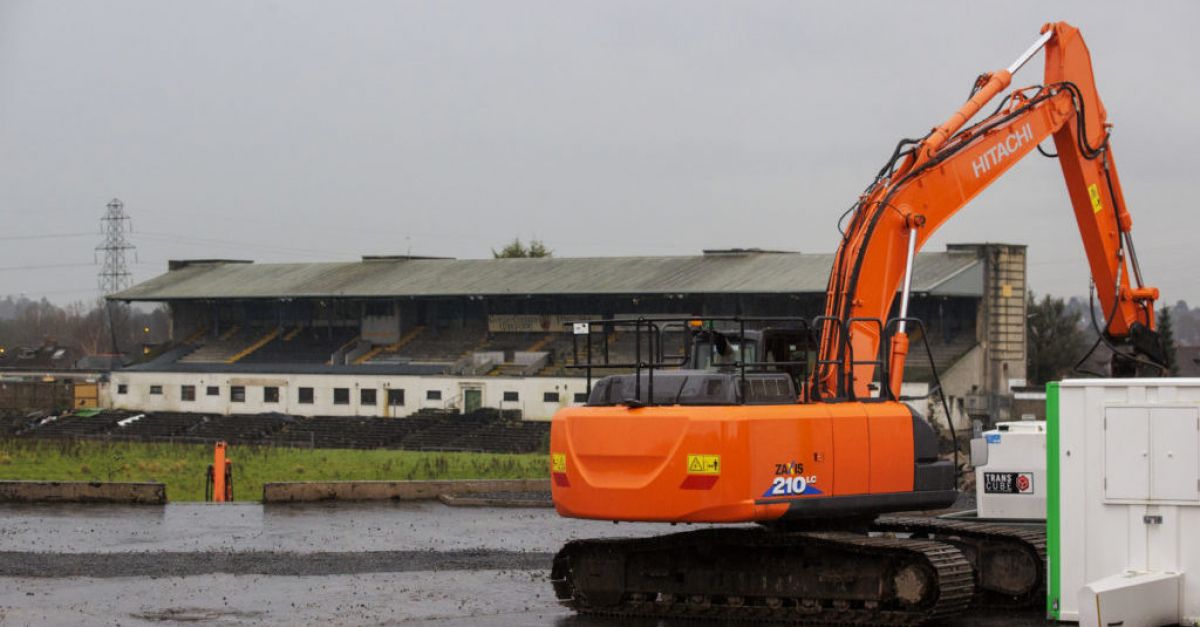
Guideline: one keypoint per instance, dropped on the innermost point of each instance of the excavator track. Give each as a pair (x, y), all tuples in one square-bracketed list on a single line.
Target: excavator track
[(753, 574), (1009, 562)]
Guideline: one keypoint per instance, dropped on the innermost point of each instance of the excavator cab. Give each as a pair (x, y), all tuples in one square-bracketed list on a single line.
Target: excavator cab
[(691, 361), (718, 350), (789, 349)]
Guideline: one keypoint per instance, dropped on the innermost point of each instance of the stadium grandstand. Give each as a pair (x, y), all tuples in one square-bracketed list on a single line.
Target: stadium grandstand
[(393, 336)]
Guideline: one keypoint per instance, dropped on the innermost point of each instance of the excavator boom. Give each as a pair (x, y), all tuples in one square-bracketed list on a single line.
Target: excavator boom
[(943, 171)]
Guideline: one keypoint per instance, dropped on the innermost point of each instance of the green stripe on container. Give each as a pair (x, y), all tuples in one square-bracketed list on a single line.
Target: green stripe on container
[(1053, 530)]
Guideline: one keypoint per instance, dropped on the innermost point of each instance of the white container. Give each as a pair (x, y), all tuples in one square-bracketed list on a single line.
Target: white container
[(1010, 474), (1124, 500)]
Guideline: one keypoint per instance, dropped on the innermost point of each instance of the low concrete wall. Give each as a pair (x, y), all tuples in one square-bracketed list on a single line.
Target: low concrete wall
[(82, 492), (305, 492)]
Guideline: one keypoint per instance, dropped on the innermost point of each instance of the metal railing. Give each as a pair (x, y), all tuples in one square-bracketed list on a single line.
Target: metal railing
[(648, 347), (808, 374)]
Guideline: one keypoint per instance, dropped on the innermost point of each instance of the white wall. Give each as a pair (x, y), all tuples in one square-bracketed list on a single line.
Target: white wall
[(963, 377), (530, 393)]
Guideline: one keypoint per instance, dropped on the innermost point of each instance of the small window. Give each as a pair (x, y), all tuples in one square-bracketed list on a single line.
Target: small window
[(270, 394), (122, 388), (306, 396), (550, 397), (187, 392), (433, 395), (395, 398), (341, 396), (237, 393), (580, 397), (212, 390), (156, 390), (366, 396), (511, 396)]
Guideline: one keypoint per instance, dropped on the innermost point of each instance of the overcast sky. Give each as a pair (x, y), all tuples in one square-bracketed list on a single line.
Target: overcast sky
[(313, 131)]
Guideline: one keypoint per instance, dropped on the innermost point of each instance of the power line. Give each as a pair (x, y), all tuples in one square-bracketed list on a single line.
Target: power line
[(30, 293), (47, 266), (222, 243), (10, 238)]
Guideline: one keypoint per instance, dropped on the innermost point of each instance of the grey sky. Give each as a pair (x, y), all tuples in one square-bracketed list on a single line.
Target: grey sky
[(293, 131)]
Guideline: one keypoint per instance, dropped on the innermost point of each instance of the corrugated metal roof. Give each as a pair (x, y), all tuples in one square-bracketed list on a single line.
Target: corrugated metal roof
[(383, 278)]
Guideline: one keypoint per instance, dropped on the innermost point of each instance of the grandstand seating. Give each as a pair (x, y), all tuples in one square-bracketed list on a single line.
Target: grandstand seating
[(264, 345), (505, 436), (945, 354), (622, 349), (366, 433), (509, 342), (218, 350), (441, 434), (388, 352), (257, 344), (13, 422), (487, 430), (310, 345), (240, 429), (436, 346), (160, 425), (196, 336), (73, 426)]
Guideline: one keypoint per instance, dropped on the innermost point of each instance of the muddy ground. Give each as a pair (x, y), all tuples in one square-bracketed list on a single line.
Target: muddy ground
[(336, 564)]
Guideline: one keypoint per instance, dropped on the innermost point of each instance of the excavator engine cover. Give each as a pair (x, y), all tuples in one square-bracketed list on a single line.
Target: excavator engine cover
[(744, 463)]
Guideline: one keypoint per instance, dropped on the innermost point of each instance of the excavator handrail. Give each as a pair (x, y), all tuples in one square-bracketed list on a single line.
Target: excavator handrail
[(888, 332), (880, 362), (816, 392), (654, 361)]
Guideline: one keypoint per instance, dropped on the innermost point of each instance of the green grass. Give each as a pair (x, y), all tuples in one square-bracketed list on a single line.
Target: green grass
[(182, 467)]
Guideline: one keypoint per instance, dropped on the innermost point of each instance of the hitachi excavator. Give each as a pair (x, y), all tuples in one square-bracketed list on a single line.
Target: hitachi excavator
[(815, 448)]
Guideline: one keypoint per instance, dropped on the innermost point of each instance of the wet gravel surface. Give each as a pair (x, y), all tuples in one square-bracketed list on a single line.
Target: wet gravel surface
[(336, 564), (298, 528), (104, 565), (492, 597), (540, 497)]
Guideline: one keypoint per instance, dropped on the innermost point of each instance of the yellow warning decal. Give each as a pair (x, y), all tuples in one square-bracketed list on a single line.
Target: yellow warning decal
[(1094, 194), (558, 462), (704, 464)]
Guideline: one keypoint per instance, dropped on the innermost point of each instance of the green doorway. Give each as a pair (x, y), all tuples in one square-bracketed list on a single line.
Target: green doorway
[(472, 399)]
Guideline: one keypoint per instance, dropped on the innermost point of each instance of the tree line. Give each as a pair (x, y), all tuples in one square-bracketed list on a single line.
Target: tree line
[(1062, 336), (87, 327)]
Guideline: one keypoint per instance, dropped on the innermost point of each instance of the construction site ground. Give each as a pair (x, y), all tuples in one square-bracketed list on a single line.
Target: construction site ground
[(420, 563)]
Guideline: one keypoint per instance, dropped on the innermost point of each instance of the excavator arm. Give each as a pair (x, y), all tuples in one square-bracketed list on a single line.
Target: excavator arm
[(929, 179)]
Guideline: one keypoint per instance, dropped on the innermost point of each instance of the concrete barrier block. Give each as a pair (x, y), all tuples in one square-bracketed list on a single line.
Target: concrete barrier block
[(82, 492)]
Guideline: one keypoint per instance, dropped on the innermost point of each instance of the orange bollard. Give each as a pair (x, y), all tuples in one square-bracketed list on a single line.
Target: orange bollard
[(219, 477), (219, 485)]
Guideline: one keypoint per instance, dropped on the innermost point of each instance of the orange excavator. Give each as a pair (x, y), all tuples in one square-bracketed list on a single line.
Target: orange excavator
[(815, 447)]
